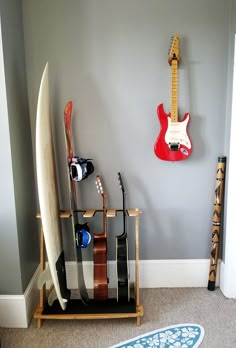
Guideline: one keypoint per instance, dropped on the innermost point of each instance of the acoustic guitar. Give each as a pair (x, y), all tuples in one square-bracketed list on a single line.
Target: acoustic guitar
[(100, 253), (173, 142), (123, 286)]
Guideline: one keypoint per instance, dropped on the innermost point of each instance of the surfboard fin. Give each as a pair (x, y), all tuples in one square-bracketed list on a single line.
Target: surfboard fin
[(44, 277), (52, 297)]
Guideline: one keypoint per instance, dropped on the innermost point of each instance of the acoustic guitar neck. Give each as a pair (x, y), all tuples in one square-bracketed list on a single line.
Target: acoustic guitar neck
[(100, 253)]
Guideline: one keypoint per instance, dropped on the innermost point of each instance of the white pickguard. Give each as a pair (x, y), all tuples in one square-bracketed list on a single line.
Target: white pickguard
[(177, 133)]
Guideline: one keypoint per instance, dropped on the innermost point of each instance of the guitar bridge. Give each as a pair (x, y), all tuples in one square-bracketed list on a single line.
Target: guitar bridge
[(174, 146)]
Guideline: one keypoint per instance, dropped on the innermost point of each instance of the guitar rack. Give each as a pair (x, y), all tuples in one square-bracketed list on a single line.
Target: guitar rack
[(109, 309)]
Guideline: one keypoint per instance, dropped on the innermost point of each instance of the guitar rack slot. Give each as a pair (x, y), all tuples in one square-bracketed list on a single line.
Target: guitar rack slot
[(89, 213), (111, 213), (111, 309)]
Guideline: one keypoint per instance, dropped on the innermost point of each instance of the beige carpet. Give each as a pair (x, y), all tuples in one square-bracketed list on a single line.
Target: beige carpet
[(162, 307)]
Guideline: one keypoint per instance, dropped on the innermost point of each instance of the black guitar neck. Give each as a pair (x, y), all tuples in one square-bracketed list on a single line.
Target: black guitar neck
[(122, 257), (124, 234)]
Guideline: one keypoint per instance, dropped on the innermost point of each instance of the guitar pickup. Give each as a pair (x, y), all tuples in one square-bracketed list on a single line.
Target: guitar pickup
[(174, 146)]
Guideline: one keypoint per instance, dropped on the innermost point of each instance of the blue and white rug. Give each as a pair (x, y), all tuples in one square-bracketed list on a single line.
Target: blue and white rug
[(176, 336)]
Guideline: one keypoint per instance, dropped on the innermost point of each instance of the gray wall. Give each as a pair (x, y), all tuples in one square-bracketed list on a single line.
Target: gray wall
[(18, 231), (110, 58)]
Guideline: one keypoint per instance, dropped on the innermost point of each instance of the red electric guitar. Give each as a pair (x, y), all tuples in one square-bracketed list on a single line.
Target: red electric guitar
[(173, 142)]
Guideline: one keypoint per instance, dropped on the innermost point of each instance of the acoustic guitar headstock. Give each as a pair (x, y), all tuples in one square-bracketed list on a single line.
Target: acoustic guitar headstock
[(121, 182), (174, 49), (99, 186), (102, 193)]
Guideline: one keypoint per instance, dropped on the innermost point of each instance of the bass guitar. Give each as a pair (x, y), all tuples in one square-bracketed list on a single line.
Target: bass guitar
[(173, 142), (123, 286), (100, 253)]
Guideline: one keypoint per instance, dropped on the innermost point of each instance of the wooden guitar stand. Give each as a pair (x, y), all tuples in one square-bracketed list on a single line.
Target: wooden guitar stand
[(109, 309)]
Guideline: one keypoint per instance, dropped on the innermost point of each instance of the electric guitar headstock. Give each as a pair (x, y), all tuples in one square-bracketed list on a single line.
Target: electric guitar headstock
[(174, 49)]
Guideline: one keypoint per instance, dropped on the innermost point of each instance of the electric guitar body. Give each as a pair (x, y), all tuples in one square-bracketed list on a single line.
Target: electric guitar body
[(173, 142)]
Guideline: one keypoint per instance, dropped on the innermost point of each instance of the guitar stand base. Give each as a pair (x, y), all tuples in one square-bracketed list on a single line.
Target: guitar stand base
[(110, 309), (76, 310)]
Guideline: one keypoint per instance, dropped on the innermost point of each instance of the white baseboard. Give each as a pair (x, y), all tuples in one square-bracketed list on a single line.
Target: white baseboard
[(17, 310), (153, 273)]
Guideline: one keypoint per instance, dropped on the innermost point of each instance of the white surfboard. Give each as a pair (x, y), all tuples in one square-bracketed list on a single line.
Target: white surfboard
[(48, 194)]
